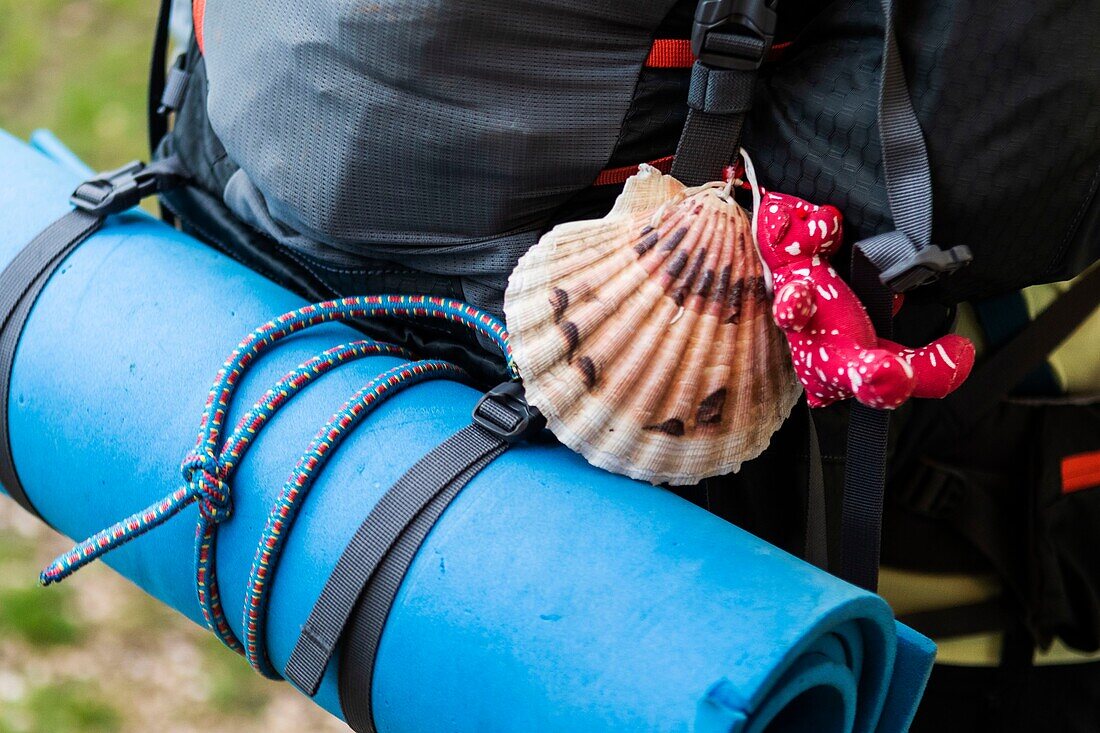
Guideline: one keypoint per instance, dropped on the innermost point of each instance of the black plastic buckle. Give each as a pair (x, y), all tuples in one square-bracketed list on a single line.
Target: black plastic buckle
[(925, 266), (115, 191), (510, 396), (733, 34), (175, 84)]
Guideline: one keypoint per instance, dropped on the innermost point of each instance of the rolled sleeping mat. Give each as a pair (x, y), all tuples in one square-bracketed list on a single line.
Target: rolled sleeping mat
[(548, 596)]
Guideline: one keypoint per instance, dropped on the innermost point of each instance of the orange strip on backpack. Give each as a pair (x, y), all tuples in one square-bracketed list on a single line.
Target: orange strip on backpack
[(1080, 471), (198, 15)]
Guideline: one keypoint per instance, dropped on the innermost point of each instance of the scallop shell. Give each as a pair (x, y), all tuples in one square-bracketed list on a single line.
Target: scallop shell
[(646, 337)]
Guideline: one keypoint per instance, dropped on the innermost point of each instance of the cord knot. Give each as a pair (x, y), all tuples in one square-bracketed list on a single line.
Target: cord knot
[(206, 478)]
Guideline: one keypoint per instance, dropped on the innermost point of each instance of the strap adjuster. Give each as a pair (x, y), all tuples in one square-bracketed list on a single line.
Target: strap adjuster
[(924, 266), (116, 191), (505, 412), (733, 34)]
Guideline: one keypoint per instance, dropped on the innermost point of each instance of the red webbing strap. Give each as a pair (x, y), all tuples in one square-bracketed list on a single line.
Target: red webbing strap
[(675, 53), (613, 176), (198, 15), (670, 53)]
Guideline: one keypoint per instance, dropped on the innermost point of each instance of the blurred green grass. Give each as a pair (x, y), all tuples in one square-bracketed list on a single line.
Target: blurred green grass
[(96, 655), (79, 68)]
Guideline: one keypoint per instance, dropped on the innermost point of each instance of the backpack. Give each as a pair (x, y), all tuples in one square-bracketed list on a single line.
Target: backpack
[(498, 120), (423, 146), (342, 148)]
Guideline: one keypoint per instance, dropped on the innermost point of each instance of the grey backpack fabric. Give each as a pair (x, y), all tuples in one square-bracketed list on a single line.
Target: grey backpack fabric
[(425, 145), (441, 132)]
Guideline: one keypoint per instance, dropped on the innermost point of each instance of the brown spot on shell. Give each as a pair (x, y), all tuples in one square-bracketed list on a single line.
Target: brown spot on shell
[(706, 282), (559, 301), (674, 239), (647, 243), (733, 303), (710, 409), (681, 293), (723, 288), (672, 426), (588, 372), (758, 287), (572, 336), (676, 264)]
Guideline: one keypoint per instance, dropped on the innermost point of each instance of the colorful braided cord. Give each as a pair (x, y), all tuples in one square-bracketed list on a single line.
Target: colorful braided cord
[(290, 499), (208, 469)]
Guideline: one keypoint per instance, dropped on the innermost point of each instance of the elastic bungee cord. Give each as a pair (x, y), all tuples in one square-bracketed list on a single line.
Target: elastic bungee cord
[(208, 469)]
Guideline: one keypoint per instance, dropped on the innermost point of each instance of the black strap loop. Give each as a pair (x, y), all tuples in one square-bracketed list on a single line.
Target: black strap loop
[(26, 275), (720, 91), (373, 565)]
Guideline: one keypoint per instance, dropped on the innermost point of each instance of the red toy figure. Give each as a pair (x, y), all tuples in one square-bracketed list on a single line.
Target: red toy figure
[(833, 344)]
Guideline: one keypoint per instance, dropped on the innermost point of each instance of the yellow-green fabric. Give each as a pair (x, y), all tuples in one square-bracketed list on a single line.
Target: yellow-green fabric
[(1076, 363)]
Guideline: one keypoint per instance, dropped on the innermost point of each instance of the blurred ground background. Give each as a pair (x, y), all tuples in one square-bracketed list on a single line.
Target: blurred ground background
[(96, 654)]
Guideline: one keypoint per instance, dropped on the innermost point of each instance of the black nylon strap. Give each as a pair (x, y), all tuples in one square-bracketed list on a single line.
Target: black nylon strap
[(707, 145), (364, 633), (157, 121), (26, 275), (441, 468), (864, 479), (865, 464), (20, 284), (890, 261), (816, 550), (730, 41)]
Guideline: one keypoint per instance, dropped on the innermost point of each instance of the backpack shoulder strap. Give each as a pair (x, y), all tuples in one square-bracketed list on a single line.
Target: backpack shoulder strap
[(730, 39)]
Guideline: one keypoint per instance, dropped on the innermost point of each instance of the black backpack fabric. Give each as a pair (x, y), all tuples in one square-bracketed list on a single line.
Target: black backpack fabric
[(1008, 99)]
